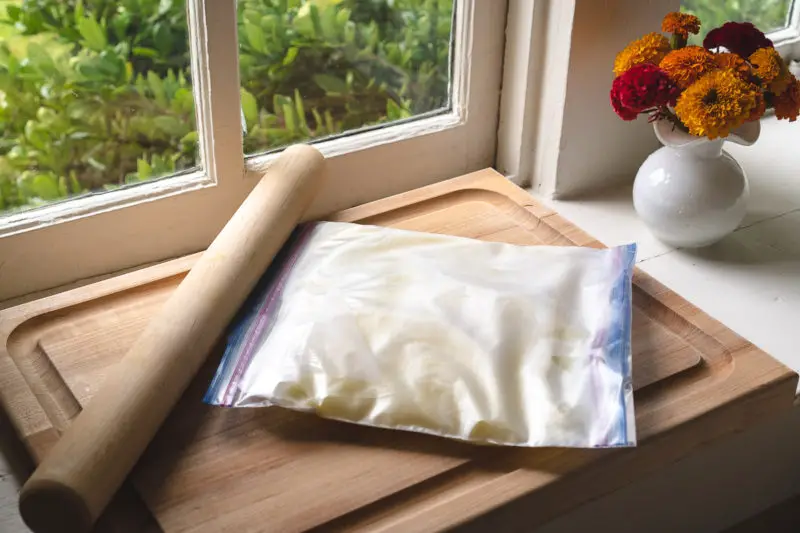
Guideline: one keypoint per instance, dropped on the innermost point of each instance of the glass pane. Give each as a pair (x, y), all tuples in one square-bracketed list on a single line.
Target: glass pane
[(313, 68), (766, 15), (94, 95)]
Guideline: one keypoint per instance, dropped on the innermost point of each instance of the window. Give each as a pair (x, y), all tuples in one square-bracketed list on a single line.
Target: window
[(767, 15), (779, 19), (310, 70), (205, 94), (94, 97)]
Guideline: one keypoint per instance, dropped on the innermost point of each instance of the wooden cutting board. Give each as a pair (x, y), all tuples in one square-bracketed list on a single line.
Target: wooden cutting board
[(215, 469)]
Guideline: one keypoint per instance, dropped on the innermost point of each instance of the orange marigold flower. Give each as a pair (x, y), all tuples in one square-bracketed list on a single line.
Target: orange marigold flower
[(759, 109), (780, 84), (769, 66), (787, 104), (687, 65), (767, 63), (680, 23), (649, 49), (735, 63), (716, 104)]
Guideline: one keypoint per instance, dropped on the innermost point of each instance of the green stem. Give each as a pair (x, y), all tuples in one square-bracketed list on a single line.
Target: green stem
[(677, 41), (672, 117)]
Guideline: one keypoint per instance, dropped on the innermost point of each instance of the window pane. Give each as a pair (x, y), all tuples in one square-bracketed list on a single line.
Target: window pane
[(766, 15), (313, 68), (94, 95)]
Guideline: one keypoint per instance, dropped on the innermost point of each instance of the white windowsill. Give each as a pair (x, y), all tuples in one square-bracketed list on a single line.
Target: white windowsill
[(750, 281)]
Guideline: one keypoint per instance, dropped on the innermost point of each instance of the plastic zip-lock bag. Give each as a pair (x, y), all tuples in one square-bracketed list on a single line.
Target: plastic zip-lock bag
[(480, 341)]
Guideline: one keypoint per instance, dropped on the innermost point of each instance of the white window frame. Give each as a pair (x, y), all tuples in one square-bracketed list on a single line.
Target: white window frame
[(787, 40), (90, 236)]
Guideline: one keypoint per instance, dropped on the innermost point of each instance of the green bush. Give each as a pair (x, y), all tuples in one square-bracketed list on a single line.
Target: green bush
[(767, 15), (95, 94)]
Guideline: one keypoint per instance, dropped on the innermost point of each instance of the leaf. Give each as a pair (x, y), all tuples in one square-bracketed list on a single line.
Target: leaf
[(318, 119), (74, 184), (157, 87), (35, 135), (94, 36), (96, 164), (329, 23), (250, 15), (162, 165), (78, 11), (315, 20), (394, 111), (162, 36), (255, 37), (269, 24), (350, 32), (288, 117), (301, 112), (14, 12), (46, 115), (141, 51), (164, 7), (291, 55), (249, 108), (183, 101), (41, 60), (343, 17), (190, 138), (143, 169), (329, 123), (278, 101), (108, 66), (330, 84), (170, 125), (120, 24), (44, 186)]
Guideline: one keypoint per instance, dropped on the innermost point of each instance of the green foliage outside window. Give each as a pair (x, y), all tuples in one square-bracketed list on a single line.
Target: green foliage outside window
[(767, 15), (96, 94)]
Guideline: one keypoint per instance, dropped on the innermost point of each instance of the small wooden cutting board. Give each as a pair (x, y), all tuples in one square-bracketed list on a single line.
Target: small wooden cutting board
[(214, 469)]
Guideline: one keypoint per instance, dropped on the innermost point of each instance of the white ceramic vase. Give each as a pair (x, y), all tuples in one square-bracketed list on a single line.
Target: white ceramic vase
[(690, 192)]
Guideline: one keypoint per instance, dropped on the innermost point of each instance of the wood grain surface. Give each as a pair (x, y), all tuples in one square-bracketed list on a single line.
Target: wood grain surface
[(75, 481), (210, 469)]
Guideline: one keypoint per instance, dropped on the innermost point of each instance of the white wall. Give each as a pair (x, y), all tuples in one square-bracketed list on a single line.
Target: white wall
[(597, 148)]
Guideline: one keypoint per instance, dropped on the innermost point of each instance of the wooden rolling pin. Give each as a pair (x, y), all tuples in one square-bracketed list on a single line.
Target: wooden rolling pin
[(74, 483)]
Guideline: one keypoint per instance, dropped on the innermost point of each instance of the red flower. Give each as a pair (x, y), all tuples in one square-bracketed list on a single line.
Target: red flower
[(641, 88), (739, 37)]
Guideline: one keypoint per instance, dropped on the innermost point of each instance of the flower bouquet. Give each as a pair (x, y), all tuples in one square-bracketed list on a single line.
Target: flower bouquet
[(706, 90), (691, 193)]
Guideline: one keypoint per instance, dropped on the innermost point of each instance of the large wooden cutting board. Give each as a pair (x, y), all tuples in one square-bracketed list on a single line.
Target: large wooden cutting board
[(214, 469)]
